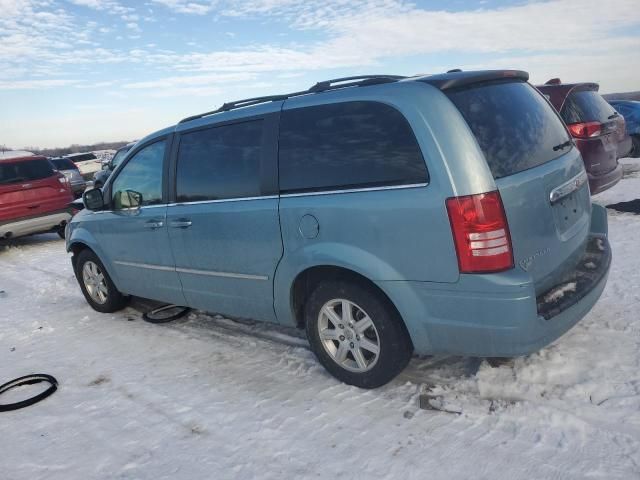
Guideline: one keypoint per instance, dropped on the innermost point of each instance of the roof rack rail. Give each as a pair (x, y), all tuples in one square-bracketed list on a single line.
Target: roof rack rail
[(247, 102), (357, 81)]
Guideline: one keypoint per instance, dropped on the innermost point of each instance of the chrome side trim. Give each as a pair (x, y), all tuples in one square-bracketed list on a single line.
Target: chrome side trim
[(222, 274), (145, 265), (568, 187), (210, 273), (354, 190), (224, 200)]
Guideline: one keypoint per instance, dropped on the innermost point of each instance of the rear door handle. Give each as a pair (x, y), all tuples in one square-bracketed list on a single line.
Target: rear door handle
[(181, 223), (154, 224)]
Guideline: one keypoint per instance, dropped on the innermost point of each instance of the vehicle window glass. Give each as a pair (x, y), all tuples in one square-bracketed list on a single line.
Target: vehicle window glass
[(220, 162), (63, 164), (117, 158), (514, 126), (347, 145), (586, 106), (141, 175), (25, 171)]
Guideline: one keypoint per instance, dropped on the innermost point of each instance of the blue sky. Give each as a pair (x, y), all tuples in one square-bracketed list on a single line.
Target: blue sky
[(83, 71)]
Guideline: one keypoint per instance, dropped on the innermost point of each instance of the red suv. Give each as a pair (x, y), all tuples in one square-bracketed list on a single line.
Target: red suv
[(597, 129), (34, 197)]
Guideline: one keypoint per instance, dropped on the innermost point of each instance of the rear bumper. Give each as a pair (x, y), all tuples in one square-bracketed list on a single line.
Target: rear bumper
[(600, 183), (39, 224), (498, 315)]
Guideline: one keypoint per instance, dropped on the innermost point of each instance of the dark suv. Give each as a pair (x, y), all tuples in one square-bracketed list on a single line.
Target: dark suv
[(597, 129)]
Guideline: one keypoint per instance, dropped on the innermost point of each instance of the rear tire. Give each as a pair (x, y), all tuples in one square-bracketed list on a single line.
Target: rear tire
[(356, 335), (60, 232), (96, 285)]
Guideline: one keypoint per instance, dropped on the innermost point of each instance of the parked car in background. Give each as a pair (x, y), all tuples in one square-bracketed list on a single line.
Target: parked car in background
[(87, 163), (71, 171), (597, 129), (443, 214), (34, 197), (630, 110), (101, 176)]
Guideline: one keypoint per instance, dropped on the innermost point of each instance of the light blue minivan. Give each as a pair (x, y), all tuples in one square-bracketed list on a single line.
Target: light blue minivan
[(386, 215)]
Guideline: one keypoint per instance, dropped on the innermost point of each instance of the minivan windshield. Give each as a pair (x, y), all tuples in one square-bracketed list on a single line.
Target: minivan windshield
[(117, 158), (586, 106), (24, 171), (514, 125)]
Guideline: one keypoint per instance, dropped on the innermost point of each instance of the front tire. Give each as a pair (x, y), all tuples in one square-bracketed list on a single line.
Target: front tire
[(96, 285), (356, 335)]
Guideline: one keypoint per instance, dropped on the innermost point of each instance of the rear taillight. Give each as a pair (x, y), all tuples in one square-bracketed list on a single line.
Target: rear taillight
[(480, 232), (585, 130)]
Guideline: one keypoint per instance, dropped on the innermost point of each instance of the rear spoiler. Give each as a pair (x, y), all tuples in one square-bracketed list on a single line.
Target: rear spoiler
[(455, 79)]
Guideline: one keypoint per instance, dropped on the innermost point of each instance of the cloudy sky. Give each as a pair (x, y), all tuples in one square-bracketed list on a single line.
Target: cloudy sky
[(82, 71)]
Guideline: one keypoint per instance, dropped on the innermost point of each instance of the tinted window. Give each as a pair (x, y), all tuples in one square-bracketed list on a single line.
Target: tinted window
[(63, 164), (513, 124), (83, 157), (143, 175), (345, 145), (117, 158), (25, 171), (586, 106), (220, 162)]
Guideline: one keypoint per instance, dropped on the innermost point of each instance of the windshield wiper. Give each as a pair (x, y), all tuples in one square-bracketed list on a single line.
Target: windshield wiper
[(613, 115), (562, 146)]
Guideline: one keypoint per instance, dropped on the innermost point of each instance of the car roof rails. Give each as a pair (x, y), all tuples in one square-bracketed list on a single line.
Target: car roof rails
[(356, 81)]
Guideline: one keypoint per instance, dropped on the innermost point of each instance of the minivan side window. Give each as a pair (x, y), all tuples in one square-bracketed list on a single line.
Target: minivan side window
[(221, 162), (347, 145), (139, 183)]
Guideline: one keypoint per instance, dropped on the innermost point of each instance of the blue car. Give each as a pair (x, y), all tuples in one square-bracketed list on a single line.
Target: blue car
[(385, 215), (630, 110)]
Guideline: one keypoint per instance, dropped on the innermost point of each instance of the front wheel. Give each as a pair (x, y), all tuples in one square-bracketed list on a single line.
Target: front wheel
[(96, 285), (356, 335)]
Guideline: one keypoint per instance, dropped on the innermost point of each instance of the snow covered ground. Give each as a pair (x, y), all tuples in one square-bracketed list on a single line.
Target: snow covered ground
[(206, 397)]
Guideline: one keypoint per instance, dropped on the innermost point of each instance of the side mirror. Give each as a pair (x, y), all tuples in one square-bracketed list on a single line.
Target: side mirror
[(127, 199), (93, 199)]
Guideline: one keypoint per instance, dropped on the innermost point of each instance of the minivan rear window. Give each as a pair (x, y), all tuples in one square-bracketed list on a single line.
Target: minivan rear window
[(25, 171), (514, 125), (586, 106), (347, 145)]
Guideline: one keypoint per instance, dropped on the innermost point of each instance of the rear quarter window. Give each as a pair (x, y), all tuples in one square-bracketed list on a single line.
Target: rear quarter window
[(513, 124), (586, 106), (25, 171), (347, 145)]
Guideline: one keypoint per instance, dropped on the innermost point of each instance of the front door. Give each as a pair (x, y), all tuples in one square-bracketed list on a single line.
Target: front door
[(224, 226), (133, 233)]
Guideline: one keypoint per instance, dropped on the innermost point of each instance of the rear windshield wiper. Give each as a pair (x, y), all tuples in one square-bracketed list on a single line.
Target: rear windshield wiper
[(613, 115), (562, 146)]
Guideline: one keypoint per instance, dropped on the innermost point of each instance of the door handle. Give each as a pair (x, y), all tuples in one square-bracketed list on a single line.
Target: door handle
[(181, 223), (154, 224)]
